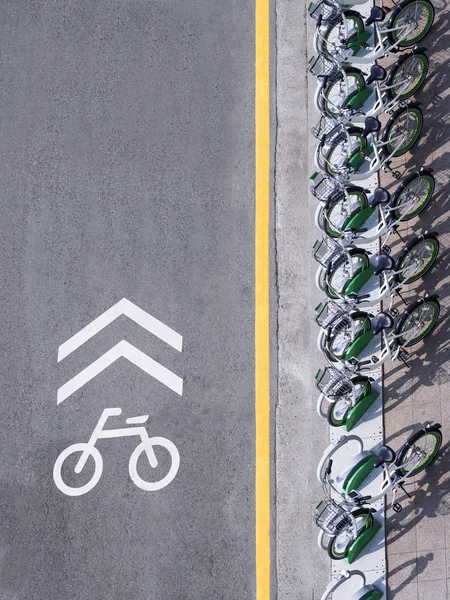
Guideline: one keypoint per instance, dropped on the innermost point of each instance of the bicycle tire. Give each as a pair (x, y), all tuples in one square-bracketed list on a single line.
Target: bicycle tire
[(432, 304), (367, 513), (335, 421), (408, 57), (354, 252), (426, 241), (396, 16), (349, 15), (412, 112), (423, 180), (330, 107), (408, 446), (334, 219), (353, 132), (358, 316)]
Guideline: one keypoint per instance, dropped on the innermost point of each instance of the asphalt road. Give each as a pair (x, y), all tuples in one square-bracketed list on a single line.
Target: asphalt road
[(127, 171)]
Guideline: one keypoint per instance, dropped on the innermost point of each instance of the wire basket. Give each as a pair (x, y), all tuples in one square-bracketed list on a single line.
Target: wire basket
[(331, 518), (331, 13), (321, 66), (325, 126), (328, 252), (333, 383), (328, 191), (329, 313)]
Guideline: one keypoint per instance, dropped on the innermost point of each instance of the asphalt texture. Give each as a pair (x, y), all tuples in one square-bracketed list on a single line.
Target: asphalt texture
[(127, 170)]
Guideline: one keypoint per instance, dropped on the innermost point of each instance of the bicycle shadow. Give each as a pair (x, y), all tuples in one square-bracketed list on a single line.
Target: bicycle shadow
[(412, 568)]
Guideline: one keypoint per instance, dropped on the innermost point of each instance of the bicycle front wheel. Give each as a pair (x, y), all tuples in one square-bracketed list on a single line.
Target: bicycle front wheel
[(417, 259), (413, 196), (402, 131), (417, 322), (339, 277), (418, 452), (343, 336), (337, 92), (342, 148), (340, 544), (407, 76), (410, 22), (338, 410), (336, 217), (351, 25)]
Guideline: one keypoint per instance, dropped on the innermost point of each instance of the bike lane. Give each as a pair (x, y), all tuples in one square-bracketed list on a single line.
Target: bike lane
[(128, 187)]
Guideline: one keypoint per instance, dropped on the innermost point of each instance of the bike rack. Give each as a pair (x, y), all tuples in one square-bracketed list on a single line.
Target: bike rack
[(356, 584)]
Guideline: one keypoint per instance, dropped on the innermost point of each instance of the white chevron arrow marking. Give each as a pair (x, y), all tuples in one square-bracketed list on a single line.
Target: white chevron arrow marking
[(127, 308), (128, 351)]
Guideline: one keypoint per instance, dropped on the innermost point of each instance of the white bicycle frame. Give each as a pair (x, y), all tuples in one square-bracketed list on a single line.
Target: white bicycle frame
[(346, 173), (384, 227), (341, 579), (379, 102), (380, 46)]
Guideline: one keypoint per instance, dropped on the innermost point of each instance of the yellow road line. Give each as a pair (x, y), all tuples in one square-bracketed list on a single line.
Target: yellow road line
[(262, 388)]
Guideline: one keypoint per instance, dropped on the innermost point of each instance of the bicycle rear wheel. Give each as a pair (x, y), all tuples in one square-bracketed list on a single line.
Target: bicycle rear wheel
[(417, 322), (413, 18), (402, 131), (421, 449), (413, 196), (407, 76), (417, 259)]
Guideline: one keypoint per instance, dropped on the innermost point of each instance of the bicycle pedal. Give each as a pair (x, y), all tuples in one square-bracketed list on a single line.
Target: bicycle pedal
[(386, 249), (396, 507), (374, 359), (393, 312)]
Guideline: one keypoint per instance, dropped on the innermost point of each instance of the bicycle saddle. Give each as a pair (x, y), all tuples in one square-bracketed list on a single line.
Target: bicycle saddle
[(371, 125), (376, 14), (377, 73), (382, 321), (384, 263), (380, 196), (385, 454)]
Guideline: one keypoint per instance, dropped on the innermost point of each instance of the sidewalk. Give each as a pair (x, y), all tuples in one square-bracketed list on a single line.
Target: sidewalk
[(419, 537)]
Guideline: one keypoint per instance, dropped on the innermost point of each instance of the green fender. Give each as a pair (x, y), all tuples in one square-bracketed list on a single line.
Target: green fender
[(357, 41), (359, 473), (357, 98), (357, 220), (361, 541), (359, 280), (358, 158), (374, 594), (355, 413), (357, 346)]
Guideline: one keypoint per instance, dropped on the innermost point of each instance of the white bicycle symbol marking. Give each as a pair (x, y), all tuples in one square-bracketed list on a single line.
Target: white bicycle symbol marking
[(89, 449)]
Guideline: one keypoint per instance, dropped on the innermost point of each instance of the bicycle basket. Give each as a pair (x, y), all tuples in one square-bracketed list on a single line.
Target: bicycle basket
[(328, 191), (331, 518), (333, 383), (322, 66), (328, 252), (324, 127), (329, 313)]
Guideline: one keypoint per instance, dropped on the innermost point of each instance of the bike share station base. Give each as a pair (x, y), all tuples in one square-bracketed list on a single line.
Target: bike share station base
[(372, 559)]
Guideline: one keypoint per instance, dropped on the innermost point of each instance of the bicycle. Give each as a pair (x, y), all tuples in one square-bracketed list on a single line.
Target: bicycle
[(347, 39), (353, 153), (88, 449), (345, 272), (346, 396), (346, 516), (359, 341), (345, 93), (349, 214)]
